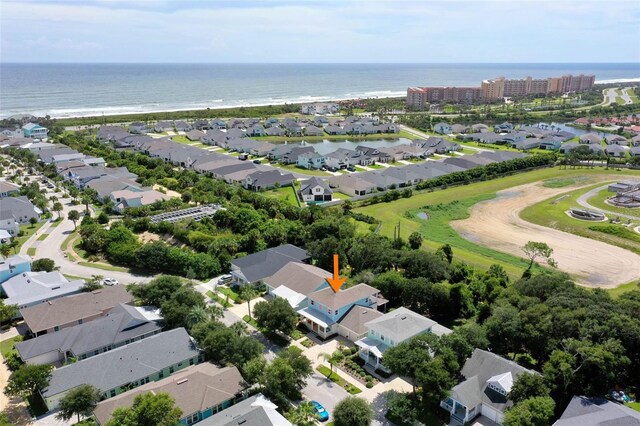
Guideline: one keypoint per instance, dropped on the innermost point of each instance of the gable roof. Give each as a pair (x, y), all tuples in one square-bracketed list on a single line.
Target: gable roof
[(299, 277), (32, 287), (122, 323), (125, 364), (596, 411), (194, 389), (307, 186), (481, 367), (334, 300), (62, 311), (357, 317), (253, 411), (265, 263), (401, 324)]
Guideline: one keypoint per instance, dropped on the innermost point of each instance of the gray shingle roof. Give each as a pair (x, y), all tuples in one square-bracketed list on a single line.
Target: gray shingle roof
[(123, 322), (126, 364), (307, 186), (595, 411), (299, 277), (481, 366), (258, 266), (401, 324), (253, 411), (334, 300), (357, 317)]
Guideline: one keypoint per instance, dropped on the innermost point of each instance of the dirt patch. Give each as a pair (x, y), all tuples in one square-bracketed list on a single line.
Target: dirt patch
[(497, 224)]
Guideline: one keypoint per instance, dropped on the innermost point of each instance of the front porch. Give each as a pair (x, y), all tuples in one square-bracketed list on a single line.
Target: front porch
[(371, 352), (315, 321)]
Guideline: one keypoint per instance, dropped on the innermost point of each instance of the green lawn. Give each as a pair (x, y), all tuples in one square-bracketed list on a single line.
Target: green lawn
[(634, 405), (551, 213), (226, 291), (31, 251), (598, 201), (181, 139), (285, 193), (294, 168), (334, 377), (250, 321), (341, 195), (220, 300), (28, 230), (43, 237), (558, 183), (437, 231), (7, 347), (376, 166), (104, 266)]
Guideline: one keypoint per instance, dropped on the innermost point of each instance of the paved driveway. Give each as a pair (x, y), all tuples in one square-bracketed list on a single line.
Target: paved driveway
[(327, 393)]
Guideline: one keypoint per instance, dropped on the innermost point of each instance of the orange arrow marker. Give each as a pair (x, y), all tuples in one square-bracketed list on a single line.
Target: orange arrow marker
[(336, 282)]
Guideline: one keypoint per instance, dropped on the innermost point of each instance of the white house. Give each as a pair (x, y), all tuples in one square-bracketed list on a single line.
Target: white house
[(315, 190), (442, 128)]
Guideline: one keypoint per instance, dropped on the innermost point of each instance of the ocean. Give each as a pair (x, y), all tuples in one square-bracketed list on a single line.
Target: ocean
[(68, 90)]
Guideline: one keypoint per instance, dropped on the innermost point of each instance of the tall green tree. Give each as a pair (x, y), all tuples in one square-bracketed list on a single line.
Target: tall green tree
[(74, 216), (248, 292), (303, 415), (276, 315), (148, 409), (536, 411), (79, 401), (352, 411), (28, 379), (528, 386)]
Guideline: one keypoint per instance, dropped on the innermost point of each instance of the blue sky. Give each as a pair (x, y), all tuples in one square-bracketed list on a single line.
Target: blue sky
[(419, 31)]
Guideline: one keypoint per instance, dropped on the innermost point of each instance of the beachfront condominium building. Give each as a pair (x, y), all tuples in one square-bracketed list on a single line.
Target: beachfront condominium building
[(498, 88), (419, 97), (502, 87)]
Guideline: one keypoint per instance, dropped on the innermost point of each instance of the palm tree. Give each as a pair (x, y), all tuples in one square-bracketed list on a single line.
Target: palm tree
[(239, 327), (196, 315), (303, 415), (74, 216), (334, 358), (57, 207), (248, 292), (215, 312)]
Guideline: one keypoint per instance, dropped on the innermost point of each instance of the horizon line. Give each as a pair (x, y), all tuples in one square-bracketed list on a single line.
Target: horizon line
[(316, 63)]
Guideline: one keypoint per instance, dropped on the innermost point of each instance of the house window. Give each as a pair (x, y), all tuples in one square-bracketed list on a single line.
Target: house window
[(56, 328), (313, 303), (171, 370), (191, 361), (161, 374), (112, 393), (329, 311)]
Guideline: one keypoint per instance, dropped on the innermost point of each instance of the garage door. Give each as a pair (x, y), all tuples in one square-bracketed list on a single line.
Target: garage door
[(490, 413)]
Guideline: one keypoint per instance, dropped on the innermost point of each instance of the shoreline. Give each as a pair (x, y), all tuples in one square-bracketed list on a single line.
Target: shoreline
[(133, 112)]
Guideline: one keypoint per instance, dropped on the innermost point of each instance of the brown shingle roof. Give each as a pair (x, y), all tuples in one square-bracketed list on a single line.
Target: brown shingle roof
[(357, 316), (194, 389), (298, 277), (65, 310)]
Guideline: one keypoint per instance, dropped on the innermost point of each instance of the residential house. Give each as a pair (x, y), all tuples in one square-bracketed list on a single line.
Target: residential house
[(315, 190), (616, 151), (58, 314), (352, 184), (320, 108), (635, 141), (442, 128), (391, 329), (526, 144), (218, 123), (515, 137), (202, 124), (138, 127), (326, 309), (215, 137), (459, 128), (106, 185), (11, 133), (163, 126), (253, 411), (291, 157), (479, 128), (183, 126), (313, 131), (271, 122), (125, 198), (295, 281), (235, 133), (15, 211), (195, 135), (13, 266), (438, 145), (256, 267), (267, 179), (320, 120), (274, 131), (256, 130), (127, 367), (590, 138), (616, 139), (505, 127), (35, 131), (31, 288), (111, 133), (550, 143), (484, 390), (293, 129), (310, 160), (597, 411), (341, 158), (122, 325), (335, 130), (8, 189), (199, 391), (635, 151), (570, 146)]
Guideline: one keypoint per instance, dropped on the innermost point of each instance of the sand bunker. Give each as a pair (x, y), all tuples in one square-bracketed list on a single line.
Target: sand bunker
[(496, 223)]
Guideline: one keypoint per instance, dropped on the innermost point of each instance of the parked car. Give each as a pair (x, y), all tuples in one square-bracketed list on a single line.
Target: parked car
[(243, 157), (320, 411), (351, 169), (257, 162), (110, 281), (225, 279), (273, 162), (323, 168)]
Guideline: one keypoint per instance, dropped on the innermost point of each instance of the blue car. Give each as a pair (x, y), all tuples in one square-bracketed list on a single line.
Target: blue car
[(322, 413)]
